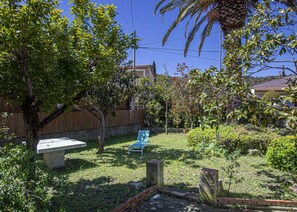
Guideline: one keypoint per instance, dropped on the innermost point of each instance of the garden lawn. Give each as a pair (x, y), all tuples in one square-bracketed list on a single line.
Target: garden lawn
[(99, 182)]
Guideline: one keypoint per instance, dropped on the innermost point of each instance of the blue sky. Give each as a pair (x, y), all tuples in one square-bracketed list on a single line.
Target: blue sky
[(151, 30)]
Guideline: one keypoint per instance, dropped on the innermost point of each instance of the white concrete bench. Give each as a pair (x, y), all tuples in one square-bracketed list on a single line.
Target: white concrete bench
[(53, 150)]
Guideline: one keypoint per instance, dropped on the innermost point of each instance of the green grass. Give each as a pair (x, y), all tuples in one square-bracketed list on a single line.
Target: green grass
[(99, 182)]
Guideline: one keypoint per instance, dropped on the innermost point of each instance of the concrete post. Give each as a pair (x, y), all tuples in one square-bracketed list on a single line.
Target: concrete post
[(155, 173), (208, 185), (54, 159)]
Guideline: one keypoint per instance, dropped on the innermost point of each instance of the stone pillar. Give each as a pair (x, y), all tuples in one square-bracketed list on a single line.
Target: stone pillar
[(208, 185), (54, 159), (155, 173)]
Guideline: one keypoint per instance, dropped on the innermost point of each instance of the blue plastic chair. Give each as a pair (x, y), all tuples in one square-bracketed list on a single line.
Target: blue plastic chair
[(142, 141)]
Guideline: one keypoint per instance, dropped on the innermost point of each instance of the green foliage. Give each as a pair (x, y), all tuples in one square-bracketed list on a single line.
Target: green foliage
[(224, 98), (268, 34), (165, 89), (282, 153), (183, 104), (48, 61), (290, 113), (185, 109), (231, 169), (153, 113), (5, 135), (271, 96), (103, 97), (36, 52), (231, 138), (156, 98), (24, 184)]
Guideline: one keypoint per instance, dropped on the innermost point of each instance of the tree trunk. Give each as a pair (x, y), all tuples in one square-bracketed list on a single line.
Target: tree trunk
[(166, 116), (31, 121), (101, 138)]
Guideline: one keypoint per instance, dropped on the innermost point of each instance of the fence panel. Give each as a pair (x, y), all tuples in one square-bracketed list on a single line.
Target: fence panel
[(76, 121)]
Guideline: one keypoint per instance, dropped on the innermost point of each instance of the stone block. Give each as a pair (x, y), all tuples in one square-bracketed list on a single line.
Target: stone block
[(155, 173), (208, 185), (135, 186), (254, 152), (221, 191), (55, 159)]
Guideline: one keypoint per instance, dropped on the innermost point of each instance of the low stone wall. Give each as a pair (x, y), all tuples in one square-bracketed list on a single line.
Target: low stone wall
[(92, 134), (170, 130), (86, 135)]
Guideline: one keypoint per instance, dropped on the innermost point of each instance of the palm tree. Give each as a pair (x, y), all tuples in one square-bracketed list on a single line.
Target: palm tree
[(230, 14)]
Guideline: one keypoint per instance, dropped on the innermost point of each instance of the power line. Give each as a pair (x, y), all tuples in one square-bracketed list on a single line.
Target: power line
[(172, 49), (204, 58), (183, 38), (161, 42)]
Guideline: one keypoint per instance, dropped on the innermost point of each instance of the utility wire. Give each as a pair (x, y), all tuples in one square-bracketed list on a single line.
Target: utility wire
[(171, 49), (183, 38), (161, 42), (204, 58)]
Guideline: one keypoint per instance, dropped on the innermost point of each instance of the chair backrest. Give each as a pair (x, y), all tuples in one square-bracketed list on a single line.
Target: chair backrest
[(143, 136)]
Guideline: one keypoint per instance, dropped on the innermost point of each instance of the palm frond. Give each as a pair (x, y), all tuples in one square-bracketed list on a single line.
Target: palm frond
[(192, 33), (158, 6), (205, 33), (181, 16), (196, 12), (173, 4)]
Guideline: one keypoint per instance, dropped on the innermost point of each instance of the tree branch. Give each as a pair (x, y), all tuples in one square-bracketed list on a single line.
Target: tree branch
[(60, 110)]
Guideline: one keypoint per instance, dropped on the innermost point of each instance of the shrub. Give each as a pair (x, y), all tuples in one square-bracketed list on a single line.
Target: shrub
[(271, 96), (282, 154), (231, 138), (5, 135), (24, 185)]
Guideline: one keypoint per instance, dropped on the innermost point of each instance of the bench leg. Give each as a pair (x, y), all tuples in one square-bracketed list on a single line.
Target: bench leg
[(55, 159)]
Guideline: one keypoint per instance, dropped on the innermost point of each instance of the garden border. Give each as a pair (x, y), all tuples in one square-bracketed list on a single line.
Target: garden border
[(136, 199), (209, 188)]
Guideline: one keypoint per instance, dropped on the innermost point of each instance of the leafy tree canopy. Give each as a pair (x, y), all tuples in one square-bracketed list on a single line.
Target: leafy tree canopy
[(47, 62), (269, 40)]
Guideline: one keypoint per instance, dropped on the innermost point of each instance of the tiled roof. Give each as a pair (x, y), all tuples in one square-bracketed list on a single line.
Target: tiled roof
[(276, 85)]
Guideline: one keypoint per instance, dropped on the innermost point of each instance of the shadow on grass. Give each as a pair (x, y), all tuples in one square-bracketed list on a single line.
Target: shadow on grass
[(100, 194), (277, 184), (259, 166), (117, 156), (184, 187), (241, 195), (93, 144), (73, 165)]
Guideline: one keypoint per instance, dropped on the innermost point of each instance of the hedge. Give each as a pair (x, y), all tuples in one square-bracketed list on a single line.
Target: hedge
[(232, 137), (282, 154)]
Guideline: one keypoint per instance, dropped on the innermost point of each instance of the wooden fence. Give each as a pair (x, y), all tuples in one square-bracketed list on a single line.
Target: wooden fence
[(77, 121)]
